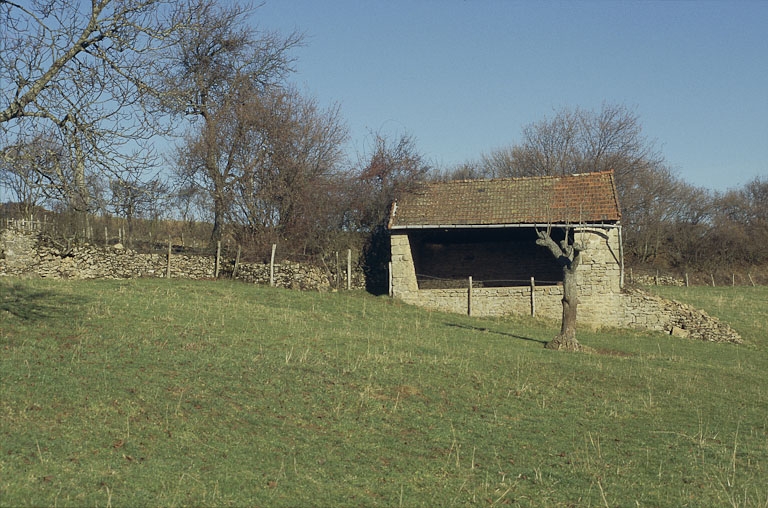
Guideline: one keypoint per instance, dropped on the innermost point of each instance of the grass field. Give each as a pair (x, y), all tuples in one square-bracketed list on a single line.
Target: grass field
[(150, 392)]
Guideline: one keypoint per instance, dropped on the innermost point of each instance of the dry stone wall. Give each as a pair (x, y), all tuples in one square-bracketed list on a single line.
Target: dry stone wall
[(657, 280), (640, 309), (21, 255)]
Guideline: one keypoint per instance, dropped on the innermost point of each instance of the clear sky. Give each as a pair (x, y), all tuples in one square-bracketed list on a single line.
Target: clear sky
[(464, 76)]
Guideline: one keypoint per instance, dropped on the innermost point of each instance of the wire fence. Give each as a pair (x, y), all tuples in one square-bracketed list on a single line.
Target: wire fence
[(426, 281), (29, 225)]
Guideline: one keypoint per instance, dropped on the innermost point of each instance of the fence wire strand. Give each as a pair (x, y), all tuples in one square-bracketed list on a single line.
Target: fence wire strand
[(461, 283)]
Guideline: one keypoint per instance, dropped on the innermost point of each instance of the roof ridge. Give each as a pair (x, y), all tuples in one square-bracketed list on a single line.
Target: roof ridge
[(518, 178)]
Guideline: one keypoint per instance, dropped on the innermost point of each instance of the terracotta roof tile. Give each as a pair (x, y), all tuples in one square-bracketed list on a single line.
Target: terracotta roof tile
[(585, 198)]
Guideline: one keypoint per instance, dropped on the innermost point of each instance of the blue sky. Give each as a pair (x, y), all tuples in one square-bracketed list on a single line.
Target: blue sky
[(464, 76)]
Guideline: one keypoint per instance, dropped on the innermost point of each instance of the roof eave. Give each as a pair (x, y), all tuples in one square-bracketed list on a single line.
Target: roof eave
[(608, 224)]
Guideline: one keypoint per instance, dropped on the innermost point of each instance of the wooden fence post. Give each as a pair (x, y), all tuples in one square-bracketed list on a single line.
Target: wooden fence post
[(217, 261), (750, 279), (272, 266), (469, 297), (390, 291), (712, 276), (686, 279), (338, 271), (237, 262), (533, 297), (349, 269), (168, 266)]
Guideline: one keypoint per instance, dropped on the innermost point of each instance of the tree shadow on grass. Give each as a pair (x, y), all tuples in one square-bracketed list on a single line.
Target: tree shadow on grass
[(32, 304), (587, 349), (488, 330)]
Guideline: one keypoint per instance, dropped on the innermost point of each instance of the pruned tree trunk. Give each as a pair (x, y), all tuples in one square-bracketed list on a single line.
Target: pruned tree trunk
[(218, 221), (566, 339), (568, 256)]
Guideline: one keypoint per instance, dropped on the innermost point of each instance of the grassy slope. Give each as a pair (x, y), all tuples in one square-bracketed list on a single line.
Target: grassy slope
[(210, 393)]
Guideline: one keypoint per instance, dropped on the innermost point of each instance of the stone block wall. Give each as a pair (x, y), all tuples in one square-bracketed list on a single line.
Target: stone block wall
[(404, 283), (490, 301), (599, 281)]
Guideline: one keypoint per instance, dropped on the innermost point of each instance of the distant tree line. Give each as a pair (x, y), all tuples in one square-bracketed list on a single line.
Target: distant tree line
[(90, 92), (667, 223)]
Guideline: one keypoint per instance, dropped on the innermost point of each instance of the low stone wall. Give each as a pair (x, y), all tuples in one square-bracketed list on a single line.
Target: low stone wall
[(17, 250), (497, 301), (22, 256), (629, 309), (656, 280)]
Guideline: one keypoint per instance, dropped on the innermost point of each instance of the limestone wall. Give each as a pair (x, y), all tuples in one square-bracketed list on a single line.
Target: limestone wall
[(599, 278), (404, 284), (490, 301), (22, 256)]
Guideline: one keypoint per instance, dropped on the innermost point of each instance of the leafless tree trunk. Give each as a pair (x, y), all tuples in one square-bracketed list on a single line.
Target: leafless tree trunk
[(568, 255)]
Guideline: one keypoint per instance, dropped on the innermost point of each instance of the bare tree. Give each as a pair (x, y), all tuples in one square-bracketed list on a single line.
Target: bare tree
[(84, 73), (553, 146), (465, 171), (579, 141), (217, 64), (739, 228), (567, 253), (281, 157), (132, 196), (20, 170), (394, 166), (57, 59)]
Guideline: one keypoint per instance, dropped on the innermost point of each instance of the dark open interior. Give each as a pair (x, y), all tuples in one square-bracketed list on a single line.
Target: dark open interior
[(493, 257)]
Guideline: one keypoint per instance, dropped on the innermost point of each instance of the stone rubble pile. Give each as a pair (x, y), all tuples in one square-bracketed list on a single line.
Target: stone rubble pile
[(679, 319)]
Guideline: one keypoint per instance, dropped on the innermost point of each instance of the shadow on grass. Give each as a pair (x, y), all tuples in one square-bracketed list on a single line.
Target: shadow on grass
[(488, 330), (33, 304)]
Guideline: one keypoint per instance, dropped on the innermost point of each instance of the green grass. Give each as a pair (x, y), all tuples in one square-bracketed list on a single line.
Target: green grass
[(150, 392)]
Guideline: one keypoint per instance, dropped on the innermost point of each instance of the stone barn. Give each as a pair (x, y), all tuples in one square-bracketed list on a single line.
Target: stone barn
[(470, 246)]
